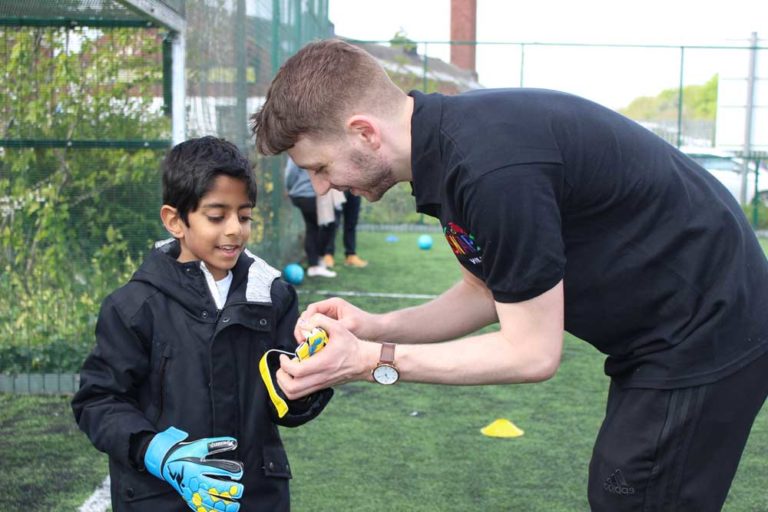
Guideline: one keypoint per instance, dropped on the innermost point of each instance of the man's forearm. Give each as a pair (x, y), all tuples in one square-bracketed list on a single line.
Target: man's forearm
[(484, 359), (526, 348), (461, 310)]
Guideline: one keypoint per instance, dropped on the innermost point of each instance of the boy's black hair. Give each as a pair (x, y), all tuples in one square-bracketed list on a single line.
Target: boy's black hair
[(190, 168)]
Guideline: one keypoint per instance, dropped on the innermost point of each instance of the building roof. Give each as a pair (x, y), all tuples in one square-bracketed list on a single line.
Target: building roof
[(400, 61)]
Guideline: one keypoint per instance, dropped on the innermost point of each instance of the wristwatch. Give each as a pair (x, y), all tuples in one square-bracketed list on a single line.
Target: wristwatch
[(385, 371)]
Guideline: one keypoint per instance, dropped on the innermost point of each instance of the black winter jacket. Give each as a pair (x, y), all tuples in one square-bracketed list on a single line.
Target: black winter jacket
[(165, 356)]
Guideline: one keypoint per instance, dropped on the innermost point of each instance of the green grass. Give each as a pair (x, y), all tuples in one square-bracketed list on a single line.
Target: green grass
[(410, 447), (46, 463)]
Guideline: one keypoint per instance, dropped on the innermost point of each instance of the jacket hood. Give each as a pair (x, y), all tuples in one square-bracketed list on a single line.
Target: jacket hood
[(186, 283)]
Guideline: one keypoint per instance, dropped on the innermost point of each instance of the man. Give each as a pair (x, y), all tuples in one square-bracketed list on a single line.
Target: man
[(563, 215)]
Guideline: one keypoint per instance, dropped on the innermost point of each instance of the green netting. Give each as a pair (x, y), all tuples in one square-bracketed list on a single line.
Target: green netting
[(233, 50), (84, 124), (79, 193), (77, 12), (82, 84)]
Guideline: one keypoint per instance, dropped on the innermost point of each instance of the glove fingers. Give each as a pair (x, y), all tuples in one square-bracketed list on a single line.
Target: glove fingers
[(205, 494), (215, 495), (220, 444), (223, 489), (231, 469), (204, 501), (202, 447)]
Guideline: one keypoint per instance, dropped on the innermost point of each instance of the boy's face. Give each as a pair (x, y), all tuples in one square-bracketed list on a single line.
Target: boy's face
[(218, 229)]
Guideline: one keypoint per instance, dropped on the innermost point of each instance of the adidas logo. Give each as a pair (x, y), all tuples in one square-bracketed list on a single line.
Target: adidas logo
[(617, 484)]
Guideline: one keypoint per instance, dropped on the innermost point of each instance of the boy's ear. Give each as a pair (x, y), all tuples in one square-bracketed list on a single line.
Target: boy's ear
[(172, 221)]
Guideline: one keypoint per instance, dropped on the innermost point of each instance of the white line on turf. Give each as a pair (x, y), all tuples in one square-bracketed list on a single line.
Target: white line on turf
[(99, 501), (339, 293)]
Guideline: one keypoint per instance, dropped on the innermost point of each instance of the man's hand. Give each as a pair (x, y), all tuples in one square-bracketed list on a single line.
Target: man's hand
[(185, 467), (363, 324), (345, 358)]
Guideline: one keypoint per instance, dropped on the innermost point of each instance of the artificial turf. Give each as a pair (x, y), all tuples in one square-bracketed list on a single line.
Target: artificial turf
[(409, 447)]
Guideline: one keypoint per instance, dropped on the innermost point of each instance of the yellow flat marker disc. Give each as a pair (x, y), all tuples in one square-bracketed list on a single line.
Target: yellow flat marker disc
[(501, 428)]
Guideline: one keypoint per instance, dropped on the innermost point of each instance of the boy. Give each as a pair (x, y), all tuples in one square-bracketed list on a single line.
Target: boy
[(178, 348)]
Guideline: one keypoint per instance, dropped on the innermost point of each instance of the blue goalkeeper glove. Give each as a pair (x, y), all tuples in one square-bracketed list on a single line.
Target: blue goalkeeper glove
[(186, 468)]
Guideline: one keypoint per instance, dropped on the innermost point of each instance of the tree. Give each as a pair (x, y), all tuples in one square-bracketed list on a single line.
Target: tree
[(72, 220), (699, 103), (401, 40)]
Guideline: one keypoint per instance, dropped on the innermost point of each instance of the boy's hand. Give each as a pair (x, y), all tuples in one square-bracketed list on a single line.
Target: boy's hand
[(269, 366), (185, 467)]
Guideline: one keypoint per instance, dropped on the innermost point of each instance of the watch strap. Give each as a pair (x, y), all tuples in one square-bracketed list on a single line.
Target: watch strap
[(387, 354)]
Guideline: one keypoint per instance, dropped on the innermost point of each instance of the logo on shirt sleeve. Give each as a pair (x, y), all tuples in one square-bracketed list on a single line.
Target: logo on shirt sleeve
[(462, 243)]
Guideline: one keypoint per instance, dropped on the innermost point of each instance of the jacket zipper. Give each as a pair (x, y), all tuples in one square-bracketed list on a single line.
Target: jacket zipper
[(210, 366), (163, 368)]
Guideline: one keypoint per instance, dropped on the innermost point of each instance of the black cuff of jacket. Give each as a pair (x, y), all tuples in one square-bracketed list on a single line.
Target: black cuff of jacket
[(305, 409), (138, 448)]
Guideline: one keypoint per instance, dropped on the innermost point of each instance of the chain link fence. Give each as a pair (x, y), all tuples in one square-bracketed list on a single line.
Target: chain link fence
[(86, 95)]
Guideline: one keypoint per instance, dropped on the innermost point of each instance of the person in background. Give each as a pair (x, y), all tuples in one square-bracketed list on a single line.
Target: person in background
[(171, 391), (350, 212), (299, 189)]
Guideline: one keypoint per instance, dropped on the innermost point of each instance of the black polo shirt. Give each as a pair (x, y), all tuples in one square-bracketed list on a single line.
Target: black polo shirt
[(661, 270)]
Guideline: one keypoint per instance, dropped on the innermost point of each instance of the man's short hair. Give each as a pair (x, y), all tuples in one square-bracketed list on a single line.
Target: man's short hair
[(316, 89), (191, 167)]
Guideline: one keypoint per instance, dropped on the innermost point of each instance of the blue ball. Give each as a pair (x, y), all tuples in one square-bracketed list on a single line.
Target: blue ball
[(293, 273), (392, 239), (425, 242)]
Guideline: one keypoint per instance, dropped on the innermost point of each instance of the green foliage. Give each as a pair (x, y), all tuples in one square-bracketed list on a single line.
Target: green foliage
[(699, 103), (73, 221), (401, 40), (404, 77), (761, 217), (81, 84), (396, 207)]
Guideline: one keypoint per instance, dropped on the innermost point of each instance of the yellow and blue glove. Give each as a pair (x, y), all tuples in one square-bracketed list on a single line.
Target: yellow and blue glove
[(314, 343), (287, 412), (186, 468)]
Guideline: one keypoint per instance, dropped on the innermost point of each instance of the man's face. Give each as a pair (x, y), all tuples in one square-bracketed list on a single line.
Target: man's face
[(219, 228), (339, 165)]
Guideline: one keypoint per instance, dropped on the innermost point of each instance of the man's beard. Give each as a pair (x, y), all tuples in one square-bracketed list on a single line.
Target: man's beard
[(378, 176)]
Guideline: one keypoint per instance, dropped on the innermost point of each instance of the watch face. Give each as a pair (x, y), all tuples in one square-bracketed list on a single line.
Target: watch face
[(385, 374)]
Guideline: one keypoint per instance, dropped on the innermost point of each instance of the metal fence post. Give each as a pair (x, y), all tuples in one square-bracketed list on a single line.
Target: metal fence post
[(756, 199), (680, 99), (424, 80), (748, 115)]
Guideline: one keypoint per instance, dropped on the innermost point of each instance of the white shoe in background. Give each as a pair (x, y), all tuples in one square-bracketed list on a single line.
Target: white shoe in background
[(320, 271)]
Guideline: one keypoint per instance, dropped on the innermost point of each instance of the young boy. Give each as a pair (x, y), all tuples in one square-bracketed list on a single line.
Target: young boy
[(174, 377)]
